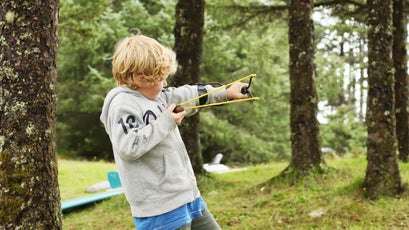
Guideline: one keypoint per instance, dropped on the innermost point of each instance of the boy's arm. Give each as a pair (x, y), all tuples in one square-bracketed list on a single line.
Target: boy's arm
[(177, 95), (173, 95), (131, 138), (187, 92)]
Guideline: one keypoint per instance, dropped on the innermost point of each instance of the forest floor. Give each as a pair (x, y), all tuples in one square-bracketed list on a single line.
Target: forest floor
[(331, 201)]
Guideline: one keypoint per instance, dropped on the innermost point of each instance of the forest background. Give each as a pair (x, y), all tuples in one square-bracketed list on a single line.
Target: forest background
[(241, 37), (235, 44)]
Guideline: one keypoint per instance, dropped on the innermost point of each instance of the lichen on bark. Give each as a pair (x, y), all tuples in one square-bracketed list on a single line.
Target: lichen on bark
[(29, 194)]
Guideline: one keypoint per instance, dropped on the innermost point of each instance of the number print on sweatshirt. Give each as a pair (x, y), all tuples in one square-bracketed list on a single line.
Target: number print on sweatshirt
[(148, 116), (129, 122)]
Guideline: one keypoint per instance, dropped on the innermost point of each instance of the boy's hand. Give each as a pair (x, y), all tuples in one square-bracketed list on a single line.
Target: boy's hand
[(177, 117), (234, 91)]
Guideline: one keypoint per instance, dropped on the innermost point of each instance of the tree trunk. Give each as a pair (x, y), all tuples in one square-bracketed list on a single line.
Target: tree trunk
[(401, 79), (362, 80), (29, 195), (189, 31), (382, 173), (306, 152)]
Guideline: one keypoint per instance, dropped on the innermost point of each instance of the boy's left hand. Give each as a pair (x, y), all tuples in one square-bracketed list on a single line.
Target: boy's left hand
[(177, 117), (234, 91)]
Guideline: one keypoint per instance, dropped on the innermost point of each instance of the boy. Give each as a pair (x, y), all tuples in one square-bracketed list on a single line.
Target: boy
[(151, 158)]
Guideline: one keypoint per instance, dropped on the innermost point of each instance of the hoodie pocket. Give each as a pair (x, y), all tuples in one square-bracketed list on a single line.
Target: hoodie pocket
[(175, 174)]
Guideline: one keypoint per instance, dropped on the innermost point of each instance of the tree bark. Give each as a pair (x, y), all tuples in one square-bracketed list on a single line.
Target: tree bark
[(29, 195), (189, 32), (382, 173), (401, 78), (306, 152)]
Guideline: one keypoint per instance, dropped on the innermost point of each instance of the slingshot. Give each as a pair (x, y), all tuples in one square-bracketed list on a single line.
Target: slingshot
[(245, 90)]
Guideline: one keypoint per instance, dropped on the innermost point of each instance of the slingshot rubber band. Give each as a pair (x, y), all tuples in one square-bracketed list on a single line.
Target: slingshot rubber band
[(222, 103), (216, 89)]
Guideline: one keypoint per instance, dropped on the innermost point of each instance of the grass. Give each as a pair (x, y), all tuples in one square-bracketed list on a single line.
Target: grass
[(76, 176), (332, 201)]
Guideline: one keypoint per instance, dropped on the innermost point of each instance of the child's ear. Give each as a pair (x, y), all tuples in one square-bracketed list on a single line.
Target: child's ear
[(140, 77)]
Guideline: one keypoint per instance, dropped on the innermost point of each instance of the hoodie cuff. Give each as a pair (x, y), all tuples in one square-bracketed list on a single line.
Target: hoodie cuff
[(167, 121), (217, 96)]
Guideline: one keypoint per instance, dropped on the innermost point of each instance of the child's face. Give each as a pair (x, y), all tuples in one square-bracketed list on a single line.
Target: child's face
[(158, 87), (152, 92)]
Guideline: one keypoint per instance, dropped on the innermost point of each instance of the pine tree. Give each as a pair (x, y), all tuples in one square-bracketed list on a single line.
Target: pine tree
[(29, 195), (382, 172)]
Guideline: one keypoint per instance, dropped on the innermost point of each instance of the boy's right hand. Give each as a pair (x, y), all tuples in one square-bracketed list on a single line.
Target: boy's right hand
[(177, 117)]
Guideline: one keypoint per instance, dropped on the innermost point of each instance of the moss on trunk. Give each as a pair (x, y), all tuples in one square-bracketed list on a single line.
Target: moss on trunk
[(305, 134), (29, 194), (382, 173)]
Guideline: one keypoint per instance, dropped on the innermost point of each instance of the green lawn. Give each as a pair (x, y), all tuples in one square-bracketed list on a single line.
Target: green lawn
[(76, 176), (332, 201)]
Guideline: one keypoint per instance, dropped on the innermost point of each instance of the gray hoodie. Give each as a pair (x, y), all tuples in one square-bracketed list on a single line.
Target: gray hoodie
[(150, 156)]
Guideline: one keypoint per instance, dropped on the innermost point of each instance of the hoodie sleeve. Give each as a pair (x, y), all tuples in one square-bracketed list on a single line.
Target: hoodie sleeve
[(186, 92), (130, 137)]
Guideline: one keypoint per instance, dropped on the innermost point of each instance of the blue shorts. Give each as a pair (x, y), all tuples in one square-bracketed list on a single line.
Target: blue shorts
[(180, 217)]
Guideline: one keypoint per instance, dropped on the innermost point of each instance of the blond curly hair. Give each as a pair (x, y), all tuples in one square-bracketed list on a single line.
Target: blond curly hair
[(140, 55)]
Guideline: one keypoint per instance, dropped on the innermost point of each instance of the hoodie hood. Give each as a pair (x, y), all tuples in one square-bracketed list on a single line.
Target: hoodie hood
[(109, 98)]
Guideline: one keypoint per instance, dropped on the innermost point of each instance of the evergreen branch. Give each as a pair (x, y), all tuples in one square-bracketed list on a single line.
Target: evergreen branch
[(337, 2)]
